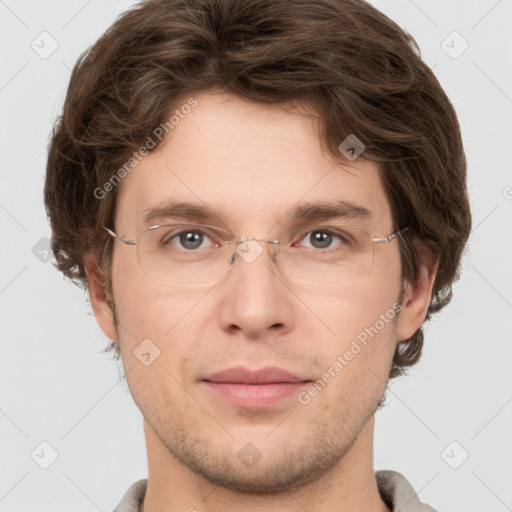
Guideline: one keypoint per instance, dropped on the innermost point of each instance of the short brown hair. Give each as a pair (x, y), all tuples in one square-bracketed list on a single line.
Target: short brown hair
[(361, 73)]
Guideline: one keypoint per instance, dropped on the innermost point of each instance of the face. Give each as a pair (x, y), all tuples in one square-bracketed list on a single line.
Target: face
[(254, 165)]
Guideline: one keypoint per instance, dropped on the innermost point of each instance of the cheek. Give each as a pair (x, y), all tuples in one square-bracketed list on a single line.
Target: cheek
[(363, 321), (363, 349), (148, 312), (172, 319), (159, 335), (145, 309), (348, 311)]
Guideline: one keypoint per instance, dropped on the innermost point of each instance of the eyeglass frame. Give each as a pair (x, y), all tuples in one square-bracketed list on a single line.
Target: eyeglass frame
[(239, 241)]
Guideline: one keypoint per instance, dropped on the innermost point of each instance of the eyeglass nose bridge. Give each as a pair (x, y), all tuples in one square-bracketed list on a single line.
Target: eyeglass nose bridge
[(233, 258)]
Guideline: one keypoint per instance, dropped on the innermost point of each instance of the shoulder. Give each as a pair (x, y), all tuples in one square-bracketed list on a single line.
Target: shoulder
[(398, 493), (132, 498)]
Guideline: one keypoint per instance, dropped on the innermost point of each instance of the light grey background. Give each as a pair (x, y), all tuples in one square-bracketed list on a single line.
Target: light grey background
[(58, 387)]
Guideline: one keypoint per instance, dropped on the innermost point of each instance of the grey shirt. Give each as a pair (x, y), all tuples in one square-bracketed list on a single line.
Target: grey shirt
[(394, 489)]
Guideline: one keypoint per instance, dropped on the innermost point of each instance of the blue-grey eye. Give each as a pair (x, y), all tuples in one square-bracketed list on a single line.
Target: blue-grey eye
[(191, 239), (320, 239)]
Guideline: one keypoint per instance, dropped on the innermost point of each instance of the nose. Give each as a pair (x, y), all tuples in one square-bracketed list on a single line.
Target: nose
[(256, 299)]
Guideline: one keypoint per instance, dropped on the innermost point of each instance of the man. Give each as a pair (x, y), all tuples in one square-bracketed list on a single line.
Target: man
[(265, 201)]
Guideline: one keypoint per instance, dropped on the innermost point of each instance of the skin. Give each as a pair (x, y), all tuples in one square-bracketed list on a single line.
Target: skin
[(253, 163)]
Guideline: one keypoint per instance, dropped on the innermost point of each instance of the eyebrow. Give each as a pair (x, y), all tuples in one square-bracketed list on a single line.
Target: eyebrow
[(305, 212), (172, 209), (327, 210)]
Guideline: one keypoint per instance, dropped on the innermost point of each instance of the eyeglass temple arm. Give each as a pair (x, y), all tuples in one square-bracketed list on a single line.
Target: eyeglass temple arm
[(389, 238), (115, 235)]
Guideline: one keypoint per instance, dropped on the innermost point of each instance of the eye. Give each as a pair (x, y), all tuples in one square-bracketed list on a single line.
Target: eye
[(322, 239), (189, 239)]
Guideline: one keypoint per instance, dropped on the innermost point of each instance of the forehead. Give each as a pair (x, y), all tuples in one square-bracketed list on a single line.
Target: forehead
[(249, 162)]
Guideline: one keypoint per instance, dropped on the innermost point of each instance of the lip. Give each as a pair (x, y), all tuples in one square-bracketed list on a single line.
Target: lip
[(254, 389), (241, 375)]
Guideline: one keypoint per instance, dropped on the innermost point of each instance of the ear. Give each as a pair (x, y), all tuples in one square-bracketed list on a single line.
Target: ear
[(416, 300), (99, 298)]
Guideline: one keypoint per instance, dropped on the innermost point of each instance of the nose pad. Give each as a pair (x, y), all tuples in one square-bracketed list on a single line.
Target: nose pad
[(249, 249)]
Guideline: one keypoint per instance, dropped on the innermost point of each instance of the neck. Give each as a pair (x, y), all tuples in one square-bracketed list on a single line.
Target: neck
[(350, 485)]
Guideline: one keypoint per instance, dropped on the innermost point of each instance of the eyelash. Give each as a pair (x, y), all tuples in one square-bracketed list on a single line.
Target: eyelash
[(336, 235), (341, 238)]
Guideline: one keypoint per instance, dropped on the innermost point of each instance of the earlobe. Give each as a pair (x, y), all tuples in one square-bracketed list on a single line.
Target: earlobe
[(98, 295), (416, 301)]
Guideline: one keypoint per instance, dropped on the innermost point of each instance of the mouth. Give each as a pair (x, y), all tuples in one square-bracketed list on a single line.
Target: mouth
[(255, 389)]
